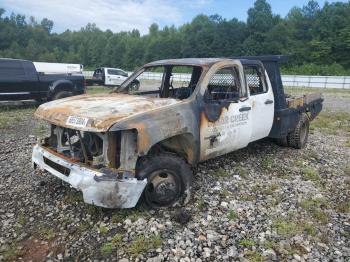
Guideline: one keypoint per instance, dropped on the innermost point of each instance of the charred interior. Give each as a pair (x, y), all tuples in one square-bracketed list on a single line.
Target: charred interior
[(113, 150)]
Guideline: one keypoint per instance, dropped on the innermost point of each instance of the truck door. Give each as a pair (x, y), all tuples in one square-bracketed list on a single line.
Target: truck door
[(15, 84), (114, 77), (226, 116), (261, 95)]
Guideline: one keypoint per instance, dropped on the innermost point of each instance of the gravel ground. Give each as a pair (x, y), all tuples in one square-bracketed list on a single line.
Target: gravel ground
[(261, 203)]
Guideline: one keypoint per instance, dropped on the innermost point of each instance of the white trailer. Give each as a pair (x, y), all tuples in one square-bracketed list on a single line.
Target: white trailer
[(58, 68)]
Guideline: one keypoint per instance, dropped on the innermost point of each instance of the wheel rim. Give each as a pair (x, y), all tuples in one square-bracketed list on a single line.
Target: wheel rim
[(163, 188)]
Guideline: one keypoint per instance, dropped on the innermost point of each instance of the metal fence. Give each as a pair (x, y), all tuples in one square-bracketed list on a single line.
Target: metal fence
[(340, 82)]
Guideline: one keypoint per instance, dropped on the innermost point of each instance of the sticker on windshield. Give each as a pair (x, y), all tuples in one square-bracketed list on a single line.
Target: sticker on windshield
[(77, 121)]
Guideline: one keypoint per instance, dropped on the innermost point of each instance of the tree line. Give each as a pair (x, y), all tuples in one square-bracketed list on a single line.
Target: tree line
[(317, 39)]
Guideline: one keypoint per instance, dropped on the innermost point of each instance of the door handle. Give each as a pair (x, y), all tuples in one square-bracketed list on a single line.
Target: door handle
[(245, 108), (268, 101)]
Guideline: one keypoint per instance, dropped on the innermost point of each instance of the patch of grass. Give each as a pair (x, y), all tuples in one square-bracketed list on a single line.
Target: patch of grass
[(90, 90), (11, 253), (314, 207), (347, 170), (11, 116), (201, 204), (270, 189), (314, 203), (268, 163), (220, 173), (242, 172), (254, 256), (301, 91), (269, 244), (246, 242), (113, 245), (310, 173), (94, 210), (232, 215), (224, 192), (332, 122), (308, 228), (247, 198), (347, 143), (343, 207), (39, 129), (321, 216), (73, 196), (285, 228), (82, 226), (46, 233), (132, 214), (142, 244), (102, 229)]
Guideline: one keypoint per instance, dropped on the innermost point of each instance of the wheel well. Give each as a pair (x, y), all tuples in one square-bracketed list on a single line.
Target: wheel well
[(62, 87), (183, 145)]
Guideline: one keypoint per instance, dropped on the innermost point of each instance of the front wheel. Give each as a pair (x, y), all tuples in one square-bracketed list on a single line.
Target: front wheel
[(169, 180), (298, 138)]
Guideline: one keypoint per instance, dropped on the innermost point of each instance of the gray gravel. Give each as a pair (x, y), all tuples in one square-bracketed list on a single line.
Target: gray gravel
[(261, 203)]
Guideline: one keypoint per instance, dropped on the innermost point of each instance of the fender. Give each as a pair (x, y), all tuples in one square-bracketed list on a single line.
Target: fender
[(62, 84)]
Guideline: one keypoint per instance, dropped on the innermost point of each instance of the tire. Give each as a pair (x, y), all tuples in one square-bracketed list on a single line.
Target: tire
[(62, 94), (169, 180), (298, 138), (134, 86)]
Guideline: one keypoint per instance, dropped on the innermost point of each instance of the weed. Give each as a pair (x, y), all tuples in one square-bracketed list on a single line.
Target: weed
[(332, 122), (113, 245), (314, 206), (268, 163), (102, 229), (11, 253), (82, 226), (224, 193), (133, 215), (232, 215), (247, 242), (242, 172), (269, 244), (343, 207), (254, 256), (201, 204), (310, 173), (270, 189), (46, 233), (39, 129), (285, 228), (10, 116), (220, 173), (347, 143), (347, 170), (73, 196), (142, 244)]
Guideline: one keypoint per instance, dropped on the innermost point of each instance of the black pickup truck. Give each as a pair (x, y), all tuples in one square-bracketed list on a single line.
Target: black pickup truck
[(19, 80)]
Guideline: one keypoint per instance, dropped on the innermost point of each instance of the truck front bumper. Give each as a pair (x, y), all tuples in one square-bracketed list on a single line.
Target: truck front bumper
[(98, 188)]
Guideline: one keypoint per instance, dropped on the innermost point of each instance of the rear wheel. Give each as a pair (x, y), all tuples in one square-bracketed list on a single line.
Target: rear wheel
[(134, 86), (298, 138), (169, 180), (62, 94)]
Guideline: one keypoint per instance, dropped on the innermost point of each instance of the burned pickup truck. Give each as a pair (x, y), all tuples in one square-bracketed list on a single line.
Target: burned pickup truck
[(125, 145)]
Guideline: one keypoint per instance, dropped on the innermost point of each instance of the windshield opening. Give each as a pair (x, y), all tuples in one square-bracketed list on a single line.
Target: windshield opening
[(168, 81)]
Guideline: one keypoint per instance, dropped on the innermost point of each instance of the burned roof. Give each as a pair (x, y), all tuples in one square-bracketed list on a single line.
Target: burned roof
[(187, 62)]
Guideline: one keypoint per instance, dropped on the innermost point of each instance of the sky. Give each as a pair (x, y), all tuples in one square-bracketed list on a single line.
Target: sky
[(125, 15)]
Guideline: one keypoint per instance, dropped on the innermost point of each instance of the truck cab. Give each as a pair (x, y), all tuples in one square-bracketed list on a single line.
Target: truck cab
[(110, 76), (129, 144)]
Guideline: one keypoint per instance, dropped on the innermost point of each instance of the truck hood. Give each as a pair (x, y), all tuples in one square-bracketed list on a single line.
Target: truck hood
[(97, 113)]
